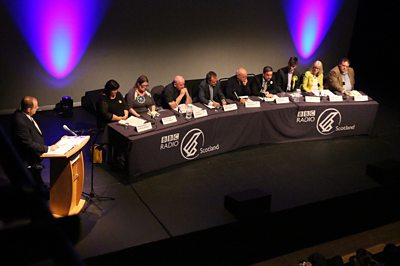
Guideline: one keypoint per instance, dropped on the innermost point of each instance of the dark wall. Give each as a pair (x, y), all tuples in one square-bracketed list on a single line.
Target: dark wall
[(372, 49), (162, 39)]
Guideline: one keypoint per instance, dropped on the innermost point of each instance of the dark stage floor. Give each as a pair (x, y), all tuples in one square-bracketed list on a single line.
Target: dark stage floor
[(179, 212)]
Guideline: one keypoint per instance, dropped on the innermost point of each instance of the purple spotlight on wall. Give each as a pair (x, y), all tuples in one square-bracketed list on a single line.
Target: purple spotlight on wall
[(58, 31), (309, 22)]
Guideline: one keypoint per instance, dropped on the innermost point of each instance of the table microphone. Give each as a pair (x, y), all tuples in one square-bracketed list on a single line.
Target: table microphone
[(237, 97), (69, 130)]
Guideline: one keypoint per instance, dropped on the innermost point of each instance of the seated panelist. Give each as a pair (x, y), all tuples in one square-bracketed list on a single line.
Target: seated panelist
[(341, 77), (111, 105), (139, 99), (264, 84), (237, 86), (210, 92), (176, 93), (313, 80)]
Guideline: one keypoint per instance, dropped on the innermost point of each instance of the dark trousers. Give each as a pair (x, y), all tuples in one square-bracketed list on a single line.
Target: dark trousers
[(36, 171)]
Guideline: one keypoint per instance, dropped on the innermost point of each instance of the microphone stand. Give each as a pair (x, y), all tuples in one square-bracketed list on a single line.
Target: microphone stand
[(91, 196)]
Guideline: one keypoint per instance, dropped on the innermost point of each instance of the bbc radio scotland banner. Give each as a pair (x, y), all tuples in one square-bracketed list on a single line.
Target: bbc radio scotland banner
[(198, 138)]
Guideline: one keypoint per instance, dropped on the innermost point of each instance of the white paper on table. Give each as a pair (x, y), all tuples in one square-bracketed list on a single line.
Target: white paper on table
[(251, 104), (183, 106), (355, 93), (169, 120), (312, 99), (360, 98), (280, 100), (269, 99), (335, 98), (132, 121), (210, 106), (229, 107), (327, 93)]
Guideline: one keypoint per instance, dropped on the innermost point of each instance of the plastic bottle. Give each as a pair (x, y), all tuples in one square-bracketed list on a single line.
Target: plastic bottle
[(189, 111), (297, 95)]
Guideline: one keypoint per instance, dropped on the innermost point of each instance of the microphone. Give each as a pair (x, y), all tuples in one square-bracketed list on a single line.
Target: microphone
[(237, 97), (86, 131), (69, 130)]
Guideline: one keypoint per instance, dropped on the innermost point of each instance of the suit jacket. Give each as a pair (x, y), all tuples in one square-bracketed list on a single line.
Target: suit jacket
[(28, 141), (308, 80), (234, 85), (335, 81), (204, 92), (282, 79), (256, 85)]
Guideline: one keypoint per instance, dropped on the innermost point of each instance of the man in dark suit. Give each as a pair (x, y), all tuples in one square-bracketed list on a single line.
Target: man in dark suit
[(238, 85), (210, 91), (28, 138), (288, 78), (264, 84)]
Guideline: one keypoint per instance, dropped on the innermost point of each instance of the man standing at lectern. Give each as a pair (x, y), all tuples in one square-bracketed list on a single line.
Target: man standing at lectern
[(28, 137)]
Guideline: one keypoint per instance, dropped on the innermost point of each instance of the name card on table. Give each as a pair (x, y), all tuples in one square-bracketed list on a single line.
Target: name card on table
[(335, 98), (230, 107), (169, 120), (252, 104), (266, 99), (312, 99), (280, 100), (360, 98), (200, 113), (144, 127)]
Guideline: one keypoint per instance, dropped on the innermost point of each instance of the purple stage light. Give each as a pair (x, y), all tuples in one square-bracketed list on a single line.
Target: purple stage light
[(58, 31), (309, 22)]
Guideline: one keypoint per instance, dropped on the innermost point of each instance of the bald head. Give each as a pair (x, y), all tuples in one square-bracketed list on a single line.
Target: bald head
[(241, 74), (179, 82), (29, 105)]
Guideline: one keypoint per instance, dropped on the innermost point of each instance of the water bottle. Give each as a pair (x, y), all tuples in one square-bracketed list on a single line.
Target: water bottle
[(297, 95), (189, 111)]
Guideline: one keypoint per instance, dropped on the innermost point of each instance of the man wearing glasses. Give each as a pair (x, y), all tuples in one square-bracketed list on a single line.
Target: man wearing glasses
[(341, 77)]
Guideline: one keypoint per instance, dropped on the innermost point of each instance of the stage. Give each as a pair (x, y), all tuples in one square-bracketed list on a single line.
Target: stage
[(169, 214)]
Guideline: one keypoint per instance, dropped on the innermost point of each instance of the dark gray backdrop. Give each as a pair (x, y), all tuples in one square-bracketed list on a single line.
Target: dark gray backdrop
[(162, 39)]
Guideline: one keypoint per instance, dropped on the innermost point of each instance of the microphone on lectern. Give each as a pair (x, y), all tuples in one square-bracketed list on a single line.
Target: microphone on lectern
[(69, 130)]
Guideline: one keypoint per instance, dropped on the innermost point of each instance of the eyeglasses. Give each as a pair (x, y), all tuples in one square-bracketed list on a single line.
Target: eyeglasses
[(144, 85)]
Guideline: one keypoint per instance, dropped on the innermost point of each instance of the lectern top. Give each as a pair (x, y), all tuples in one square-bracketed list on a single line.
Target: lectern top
[(67, 146)]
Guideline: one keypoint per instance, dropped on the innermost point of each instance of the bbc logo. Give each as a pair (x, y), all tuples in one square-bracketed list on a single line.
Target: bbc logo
[(169, 138), (306, 113)]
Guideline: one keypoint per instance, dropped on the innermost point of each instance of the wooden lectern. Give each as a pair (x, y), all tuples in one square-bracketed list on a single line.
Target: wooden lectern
[(67, 175)]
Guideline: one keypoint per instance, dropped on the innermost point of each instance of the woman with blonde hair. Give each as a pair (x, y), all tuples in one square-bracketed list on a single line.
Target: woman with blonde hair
[(313, 80)]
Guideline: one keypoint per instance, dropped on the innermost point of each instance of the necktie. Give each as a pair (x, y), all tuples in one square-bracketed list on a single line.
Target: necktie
[(265, 86), (211, 93), (36, 125)]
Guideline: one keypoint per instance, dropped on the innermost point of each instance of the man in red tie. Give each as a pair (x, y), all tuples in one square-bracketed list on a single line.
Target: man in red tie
[(28, 138)]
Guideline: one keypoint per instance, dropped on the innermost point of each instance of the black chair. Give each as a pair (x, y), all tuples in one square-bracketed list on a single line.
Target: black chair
[(156, 92), (90, 99), (193, 87), (250, 77), (222, 82), (301, 81)]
